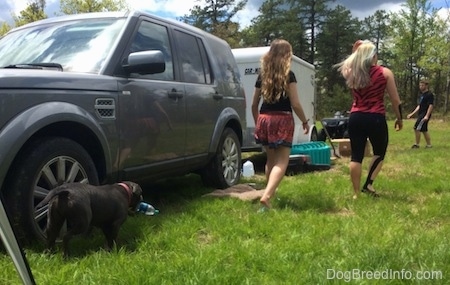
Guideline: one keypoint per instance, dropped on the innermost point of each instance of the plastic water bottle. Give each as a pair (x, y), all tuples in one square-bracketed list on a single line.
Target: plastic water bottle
[(248, 169), (146, 209)]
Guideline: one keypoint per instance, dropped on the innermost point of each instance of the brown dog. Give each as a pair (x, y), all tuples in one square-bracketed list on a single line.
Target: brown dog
[(84, 206)]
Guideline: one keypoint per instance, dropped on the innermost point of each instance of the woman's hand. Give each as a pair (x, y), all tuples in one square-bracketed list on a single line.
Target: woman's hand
[(305, 127), (398, 124)]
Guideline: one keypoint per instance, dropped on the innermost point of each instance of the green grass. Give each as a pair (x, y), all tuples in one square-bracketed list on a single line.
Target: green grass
[(315, 227)]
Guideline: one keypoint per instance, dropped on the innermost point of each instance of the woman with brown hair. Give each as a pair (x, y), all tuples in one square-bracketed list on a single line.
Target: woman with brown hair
[(277, 87)]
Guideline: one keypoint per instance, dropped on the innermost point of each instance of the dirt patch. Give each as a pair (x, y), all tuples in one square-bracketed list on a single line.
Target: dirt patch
[(244, 192)]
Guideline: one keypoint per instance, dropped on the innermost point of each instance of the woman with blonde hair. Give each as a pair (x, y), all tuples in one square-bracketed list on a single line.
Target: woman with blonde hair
[(368, 82), (277, 87)]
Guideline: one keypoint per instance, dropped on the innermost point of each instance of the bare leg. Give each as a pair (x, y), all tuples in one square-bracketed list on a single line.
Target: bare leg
[(277, 162), (417, 133), (270, 162), (355, 176), (427, 138)]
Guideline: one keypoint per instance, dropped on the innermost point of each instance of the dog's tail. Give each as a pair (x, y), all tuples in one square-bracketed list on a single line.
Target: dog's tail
[(53, 193)]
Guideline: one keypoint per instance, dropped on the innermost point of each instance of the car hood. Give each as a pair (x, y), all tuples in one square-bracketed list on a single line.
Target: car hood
[(52, 79)]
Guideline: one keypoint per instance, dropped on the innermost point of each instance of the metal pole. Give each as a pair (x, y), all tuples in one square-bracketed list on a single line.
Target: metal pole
[(12, 246)]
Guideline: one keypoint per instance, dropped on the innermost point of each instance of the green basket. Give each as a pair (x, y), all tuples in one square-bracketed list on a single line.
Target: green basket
[(318, 151)]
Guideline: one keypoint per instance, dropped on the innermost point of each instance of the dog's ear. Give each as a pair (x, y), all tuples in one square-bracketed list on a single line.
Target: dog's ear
[(135, 188)]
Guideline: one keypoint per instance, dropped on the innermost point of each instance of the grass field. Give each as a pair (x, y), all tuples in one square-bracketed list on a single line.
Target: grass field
[(315, 234)]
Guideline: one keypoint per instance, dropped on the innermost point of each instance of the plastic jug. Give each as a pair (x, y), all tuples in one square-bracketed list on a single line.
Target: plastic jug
[(248, 169)]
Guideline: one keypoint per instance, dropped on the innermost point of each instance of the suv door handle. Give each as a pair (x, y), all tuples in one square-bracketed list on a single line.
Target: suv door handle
[(218, 96), (174, 94)]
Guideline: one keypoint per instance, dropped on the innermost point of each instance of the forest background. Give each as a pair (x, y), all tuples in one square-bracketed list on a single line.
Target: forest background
[(413, 42)]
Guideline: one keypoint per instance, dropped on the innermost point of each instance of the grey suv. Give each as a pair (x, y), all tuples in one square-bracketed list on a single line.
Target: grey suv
[(103, 97)]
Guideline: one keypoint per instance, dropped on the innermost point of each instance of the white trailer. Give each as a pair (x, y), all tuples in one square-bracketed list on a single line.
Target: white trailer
[(248, 61)]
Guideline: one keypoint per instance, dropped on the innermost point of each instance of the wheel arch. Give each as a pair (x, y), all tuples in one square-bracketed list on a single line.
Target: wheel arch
[(229, 118), (79, 133), (47, 120)]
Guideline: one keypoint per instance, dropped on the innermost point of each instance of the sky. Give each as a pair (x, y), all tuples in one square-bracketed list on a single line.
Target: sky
[(177, 8)]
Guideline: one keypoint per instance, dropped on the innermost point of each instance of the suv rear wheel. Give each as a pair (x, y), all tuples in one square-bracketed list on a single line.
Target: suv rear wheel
[(224, 169), (45, 164)]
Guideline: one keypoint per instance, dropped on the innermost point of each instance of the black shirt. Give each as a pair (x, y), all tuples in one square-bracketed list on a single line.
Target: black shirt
[(426, 99)]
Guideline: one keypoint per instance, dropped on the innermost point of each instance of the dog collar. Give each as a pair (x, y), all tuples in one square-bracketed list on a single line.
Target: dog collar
[(128, 190)]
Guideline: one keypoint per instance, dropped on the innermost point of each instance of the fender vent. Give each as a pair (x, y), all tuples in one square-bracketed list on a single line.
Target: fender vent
[(105, 108)]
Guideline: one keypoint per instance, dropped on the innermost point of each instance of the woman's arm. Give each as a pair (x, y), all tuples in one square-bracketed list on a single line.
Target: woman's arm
[(391, 89), (296, 106), (255, 103)]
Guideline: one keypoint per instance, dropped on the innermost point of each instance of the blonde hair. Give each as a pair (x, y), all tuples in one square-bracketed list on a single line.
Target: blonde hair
[(356, 67), (275, 67)]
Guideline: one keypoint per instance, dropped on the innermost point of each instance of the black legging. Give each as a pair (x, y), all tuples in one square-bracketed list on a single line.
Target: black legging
[(363, 126)]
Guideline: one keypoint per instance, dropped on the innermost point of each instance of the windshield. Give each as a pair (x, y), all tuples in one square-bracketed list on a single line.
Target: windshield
[(78, 46)]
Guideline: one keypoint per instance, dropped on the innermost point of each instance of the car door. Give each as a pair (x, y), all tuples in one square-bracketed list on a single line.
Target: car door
[(203, 103), (152, 107)]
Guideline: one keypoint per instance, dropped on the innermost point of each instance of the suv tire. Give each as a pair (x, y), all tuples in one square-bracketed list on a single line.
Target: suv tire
[(43, 165), (224, 169)]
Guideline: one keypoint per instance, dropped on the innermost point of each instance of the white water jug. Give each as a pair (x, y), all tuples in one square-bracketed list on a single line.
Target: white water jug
[(248, 169)]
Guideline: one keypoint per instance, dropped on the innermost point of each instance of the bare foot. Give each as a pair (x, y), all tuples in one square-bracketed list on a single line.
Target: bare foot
[(370, 187), (264, 202), (356, 194), (371, 191)]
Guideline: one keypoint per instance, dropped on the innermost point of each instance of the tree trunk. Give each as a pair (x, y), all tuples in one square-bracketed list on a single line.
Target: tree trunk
[(447, 94)]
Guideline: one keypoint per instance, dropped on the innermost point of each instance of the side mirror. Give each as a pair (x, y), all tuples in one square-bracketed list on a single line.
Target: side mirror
[(145, 62)]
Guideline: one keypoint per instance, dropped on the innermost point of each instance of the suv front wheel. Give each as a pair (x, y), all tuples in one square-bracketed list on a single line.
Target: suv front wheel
[(224, 169), (45, 164)]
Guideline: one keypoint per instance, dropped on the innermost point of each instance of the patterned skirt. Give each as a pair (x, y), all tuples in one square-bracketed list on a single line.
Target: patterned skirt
[(274, 129)]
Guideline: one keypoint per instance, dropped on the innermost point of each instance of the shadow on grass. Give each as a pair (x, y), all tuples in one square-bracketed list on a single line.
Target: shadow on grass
[(175, 192), (84, 245), (307, 202)]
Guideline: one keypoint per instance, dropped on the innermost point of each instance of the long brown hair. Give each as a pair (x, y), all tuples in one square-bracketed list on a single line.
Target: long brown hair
[(275, 67)]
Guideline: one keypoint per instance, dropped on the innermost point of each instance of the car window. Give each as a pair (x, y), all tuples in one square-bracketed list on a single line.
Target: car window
[(78, 46), (193, 60), (151, 36), (225, 60), (230, 81)]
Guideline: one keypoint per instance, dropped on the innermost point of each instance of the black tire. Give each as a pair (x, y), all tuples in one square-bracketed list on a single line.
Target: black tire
[(322, 136), (224, 169), (42, 166), (314, 135)]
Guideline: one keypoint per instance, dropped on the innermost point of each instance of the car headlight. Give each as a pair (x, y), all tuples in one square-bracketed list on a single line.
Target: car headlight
[(341, 123)]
